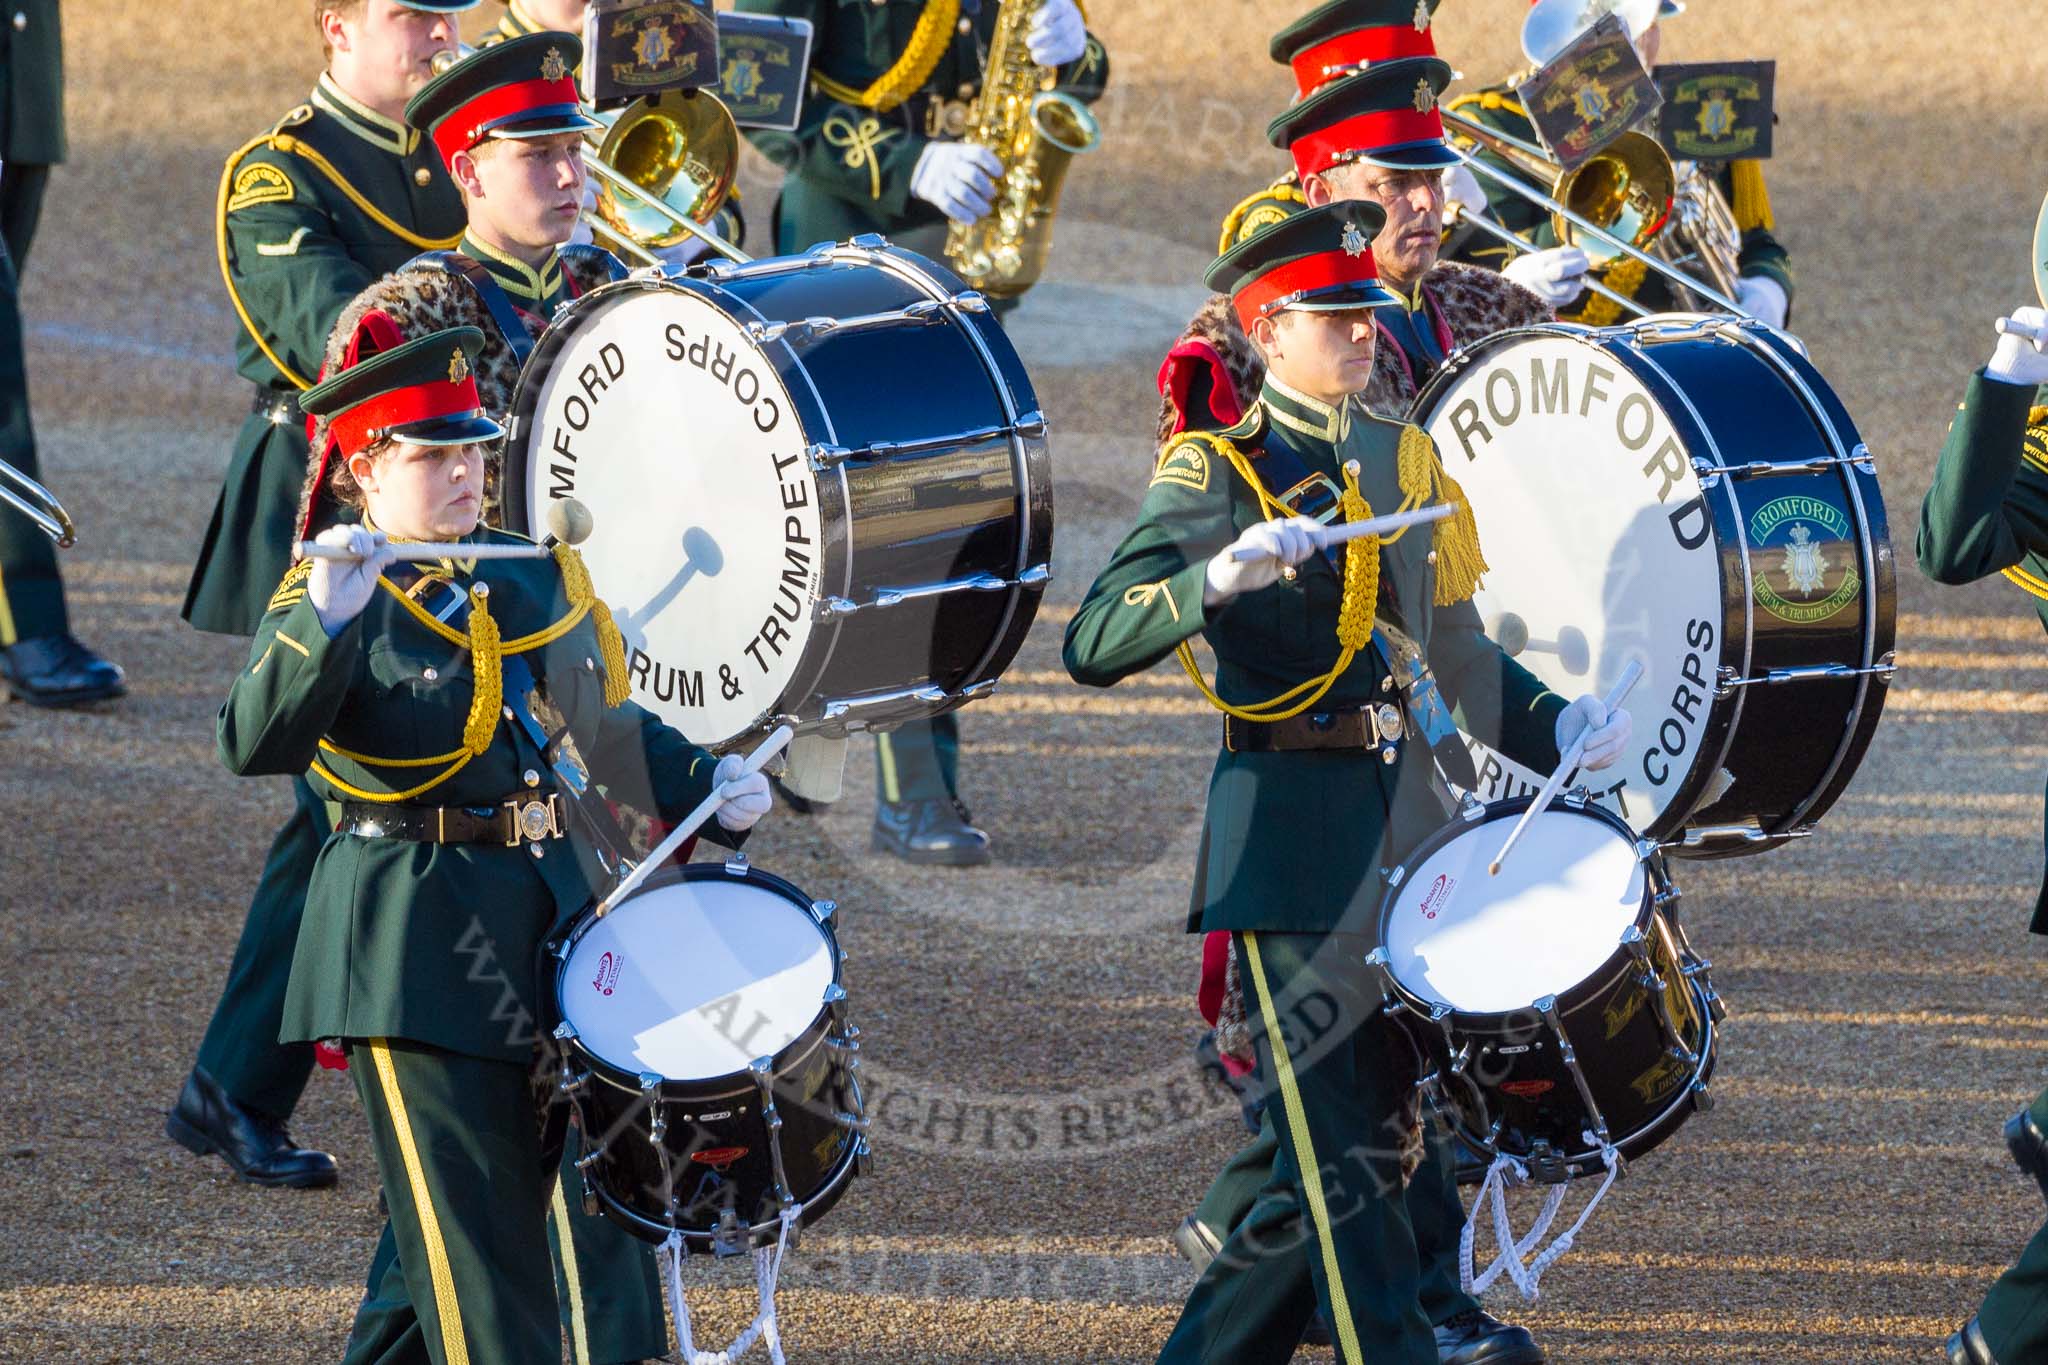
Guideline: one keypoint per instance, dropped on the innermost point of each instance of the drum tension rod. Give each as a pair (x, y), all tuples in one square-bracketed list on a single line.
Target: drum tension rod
[(925, 312), (1710, 474), (824, 455), (1547, 1007), (1883, 670)]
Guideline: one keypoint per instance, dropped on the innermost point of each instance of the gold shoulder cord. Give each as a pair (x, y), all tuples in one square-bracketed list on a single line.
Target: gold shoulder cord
[(292, 146), (927, 44), (487, 651), (1459, 563)]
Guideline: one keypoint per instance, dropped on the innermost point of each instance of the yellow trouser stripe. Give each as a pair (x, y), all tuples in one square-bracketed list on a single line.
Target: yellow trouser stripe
[(579, 1333), (7, 635), (446, 1307), (1305, 1158), (886, 755)]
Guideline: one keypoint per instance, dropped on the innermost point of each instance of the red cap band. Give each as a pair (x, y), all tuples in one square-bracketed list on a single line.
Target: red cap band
[(466, 125), (1315, 67), (1323, 270), (1325, 147), (420, 403)]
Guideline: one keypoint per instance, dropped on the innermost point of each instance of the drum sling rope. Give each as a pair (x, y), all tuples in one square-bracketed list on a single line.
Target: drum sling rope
[(767, 1273), (1512, 1255), (1459, 563), (487, 650)]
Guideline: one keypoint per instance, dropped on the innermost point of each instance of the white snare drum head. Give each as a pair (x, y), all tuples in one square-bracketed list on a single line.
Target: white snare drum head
[(1486, 945), (670, 425), (1600, 550), (696, 979)]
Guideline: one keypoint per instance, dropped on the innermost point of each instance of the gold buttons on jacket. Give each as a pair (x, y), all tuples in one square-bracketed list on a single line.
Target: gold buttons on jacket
[(20, 21), (431, 674), (532, 778), (423, 177)]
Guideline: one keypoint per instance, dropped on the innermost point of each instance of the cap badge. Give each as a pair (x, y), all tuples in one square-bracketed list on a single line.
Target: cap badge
[(1422, 16), (458, 367), (1353, 241), (1425, 97), (552, 67)]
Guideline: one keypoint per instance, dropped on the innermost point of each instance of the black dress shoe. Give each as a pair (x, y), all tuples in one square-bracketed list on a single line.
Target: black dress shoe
[(928, 832), (56, 670), (206, 1121), (1967, 1345), (2029, 1147), (802, 805), (1476, 1337)]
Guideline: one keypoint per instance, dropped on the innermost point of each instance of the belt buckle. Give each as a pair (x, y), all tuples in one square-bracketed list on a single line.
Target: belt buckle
[(533, 820)]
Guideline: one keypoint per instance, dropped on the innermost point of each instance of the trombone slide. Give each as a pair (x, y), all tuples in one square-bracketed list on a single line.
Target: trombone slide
[(38, 504), (1457, 213)]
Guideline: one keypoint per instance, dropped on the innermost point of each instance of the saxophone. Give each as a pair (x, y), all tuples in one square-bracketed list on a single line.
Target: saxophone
[(1035, 132)]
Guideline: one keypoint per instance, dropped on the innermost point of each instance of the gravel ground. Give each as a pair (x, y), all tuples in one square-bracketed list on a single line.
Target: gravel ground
[(1847, 1202)]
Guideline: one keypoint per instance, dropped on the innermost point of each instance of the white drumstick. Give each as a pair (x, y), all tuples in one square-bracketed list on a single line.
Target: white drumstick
[(1326, 536), (1565, 765), (430, 549), (694, 821), (2037, 335)]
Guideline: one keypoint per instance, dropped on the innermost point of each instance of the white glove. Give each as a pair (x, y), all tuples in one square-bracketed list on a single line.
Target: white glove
[(1463, 188), (1057, 34), (339, 589), (2020, 359), (1763, 298), (958, 178), (1606, 731), (580, 236), (1278, 543), (1556, 276), (747, 799)]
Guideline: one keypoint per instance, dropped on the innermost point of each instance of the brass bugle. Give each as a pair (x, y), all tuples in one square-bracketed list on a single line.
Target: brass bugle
[(648, 109), (38, 504), (1535, 160)]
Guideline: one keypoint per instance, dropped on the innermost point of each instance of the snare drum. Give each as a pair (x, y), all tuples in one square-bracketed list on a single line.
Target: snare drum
[(820, 486), (1558, 1006), (706, 1051), (1687, 492)]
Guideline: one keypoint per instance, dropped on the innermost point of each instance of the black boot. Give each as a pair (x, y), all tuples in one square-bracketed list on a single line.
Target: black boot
[(1476, 1337), (2029, 1147), (56, 670), (928, 832), (205, 1120), (1967, 1346)]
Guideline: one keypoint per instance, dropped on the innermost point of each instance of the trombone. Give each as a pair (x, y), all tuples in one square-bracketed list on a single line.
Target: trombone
[(679, 146), (38, 504), (1630, 184)]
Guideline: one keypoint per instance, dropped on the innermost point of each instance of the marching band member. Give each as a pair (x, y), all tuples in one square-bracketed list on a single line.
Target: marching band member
[(1987, 513), (522, 17), (41, 661), (1764, 267), (338, 192), (879, 150), (400, 688), (506, 123), (1359, 138), (1304, 791)]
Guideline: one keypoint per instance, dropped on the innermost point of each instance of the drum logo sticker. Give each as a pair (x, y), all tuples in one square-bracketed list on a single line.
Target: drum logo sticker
[(1527, 1090), (607, 974), (719, 1159), (1788, 542), (1439, 897), (1660, 1080)]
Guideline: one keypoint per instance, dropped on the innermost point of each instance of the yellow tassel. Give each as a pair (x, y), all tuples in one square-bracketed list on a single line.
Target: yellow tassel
[(486, 669), (610, 644), (1752, 206), (1361, 574), (1459, 561)]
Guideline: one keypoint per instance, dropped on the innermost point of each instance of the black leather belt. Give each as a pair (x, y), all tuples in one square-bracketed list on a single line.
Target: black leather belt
[(279, 407), (528, 818), (1365, 727)]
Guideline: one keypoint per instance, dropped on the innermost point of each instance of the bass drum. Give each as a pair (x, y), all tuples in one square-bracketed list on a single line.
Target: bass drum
[(820, 486), (1689, 493)]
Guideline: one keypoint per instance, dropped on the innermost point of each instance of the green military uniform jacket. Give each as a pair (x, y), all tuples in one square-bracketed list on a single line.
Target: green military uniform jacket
[(1295, 840), (1987, 511), (1741, 183), (887, 77), (437, 943), (31, 83), (309, 214)]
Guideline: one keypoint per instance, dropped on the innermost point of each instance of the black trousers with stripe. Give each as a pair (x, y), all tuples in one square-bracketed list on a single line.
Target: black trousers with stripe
[(484, 1241), (1332, 1226)]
